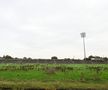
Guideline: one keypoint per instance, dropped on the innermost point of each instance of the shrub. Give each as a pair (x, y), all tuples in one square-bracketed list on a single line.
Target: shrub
[(54, 58)]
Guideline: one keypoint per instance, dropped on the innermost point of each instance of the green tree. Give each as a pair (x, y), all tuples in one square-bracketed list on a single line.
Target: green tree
[(7, 57)]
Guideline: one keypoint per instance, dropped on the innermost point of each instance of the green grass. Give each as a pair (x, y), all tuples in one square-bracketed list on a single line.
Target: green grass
[(80, 75), (79, 72)]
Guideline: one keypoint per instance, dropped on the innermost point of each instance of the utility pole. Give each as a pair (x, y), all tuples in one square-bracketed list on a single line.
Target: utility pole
[(83, 35)]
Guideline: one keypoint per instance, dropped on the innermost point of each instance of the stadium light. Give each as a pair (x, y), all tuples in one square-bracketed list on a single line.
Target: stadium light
[(83, 35)]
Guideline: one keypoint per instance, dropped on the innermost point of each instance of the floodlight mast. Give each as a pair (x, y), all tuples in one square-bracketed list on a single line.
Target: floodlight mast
[(83, 35)]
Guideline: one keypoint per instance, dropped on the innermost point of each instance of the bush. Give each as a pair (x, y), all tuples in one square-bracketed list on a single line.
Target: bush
[(54, 58), (7, 57)]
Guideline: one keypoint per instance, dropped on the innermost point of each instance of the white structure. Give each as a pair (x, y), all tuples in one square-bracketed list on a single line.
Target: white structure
[(83, 35)]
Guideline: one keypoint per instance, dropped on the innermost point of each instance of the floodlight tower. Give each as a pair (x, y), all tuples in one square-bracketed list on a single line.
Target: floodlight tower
[(83, 35)]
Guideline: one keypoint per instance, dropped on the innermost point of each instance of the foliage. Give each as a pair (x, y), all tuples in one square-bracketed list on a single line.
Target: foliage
[(7, 57), (54, 58)]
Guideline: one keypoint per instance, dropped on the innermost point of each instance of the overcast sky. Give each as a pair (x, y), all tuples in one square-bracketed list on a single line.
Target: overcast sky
[(45, 28)]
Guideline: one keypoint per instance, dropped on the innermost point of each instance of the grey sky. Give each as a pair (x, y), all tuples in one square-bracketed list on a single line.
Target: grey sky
[(44, 28)]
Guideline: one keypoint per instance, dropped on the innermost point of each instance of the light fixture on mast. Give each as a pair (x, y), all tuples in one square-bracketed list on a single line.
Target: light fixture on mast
[(83, 35)]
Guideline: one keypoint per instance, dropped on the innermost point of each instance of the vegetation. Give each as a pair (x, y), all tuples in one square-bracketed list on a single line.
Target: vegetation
[(54, 72), (48, 76), (81, 76), (8, 57), (54, 58), (55, 85)]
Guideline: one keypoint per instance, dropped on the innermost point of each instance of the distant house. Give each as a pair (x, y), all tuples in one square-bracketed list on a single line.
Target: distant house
[(96, 58)]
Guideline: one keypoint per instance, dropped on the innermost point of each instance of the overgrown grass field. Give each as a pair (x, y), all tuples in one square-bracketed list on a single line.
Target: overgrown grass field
[(54, 76), (54, 72)]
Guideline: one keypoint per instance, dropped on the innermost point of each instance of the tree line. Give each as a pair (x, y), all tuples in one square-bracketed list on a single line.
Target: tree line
[(91, 57)]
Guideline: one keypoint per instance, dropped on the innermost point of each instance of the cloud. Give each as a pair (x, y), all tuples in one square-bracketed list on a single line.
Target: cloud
[(43, 28)]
